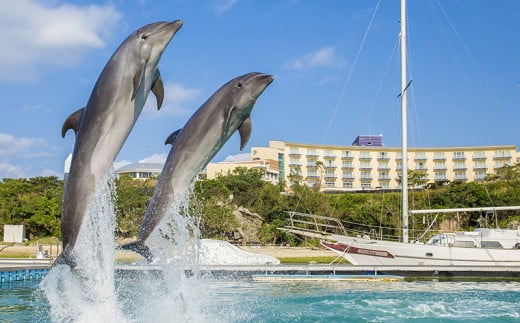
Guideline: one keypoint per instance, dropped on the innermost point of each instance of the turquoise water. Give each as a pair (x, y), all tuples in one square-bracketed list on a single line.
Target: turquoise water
[(244, 300)]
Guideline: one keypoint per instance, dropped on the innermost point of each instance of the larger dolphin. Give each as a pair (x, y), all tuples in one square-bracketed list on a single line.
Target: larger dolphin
[(198, 142), (104, 124)]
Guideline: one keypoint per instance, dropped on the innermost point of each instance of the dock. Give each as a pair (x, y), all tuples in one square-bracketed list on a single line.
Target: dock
[(30, 268), (408, 272)]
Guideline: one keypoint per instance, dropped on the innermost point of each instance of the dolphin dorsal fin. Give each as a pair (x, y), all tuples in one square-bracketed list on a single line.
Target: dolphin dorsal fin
[(158, 90), (138, 77), (245, 131), (171, 138), (72, 122)]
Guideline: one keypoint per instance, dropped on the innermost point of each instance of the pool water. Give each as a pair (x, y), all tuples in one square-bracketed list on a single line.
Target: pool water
[(245, 300)]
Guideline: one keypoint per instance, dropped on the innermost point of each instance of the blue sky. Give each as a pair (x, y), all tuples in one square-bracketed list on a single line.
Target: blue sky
[(335, 62)]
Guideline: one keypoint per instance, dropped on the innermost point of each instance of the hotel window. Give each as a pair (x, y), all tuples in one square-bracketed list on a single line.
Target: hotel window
[(365, 175), (330, 183), (458, 155), (365, 185), (440, 165), (329, 173), (329, 163), (312, 173), (384, 175), (502, 163), (459, 165), (460, 175), (311, 162), (294, 150), (420, 155), (383, 165), (296, 171), (384, 185), (347, 185), (480, 165), (382, 155), (364, 154), (480, 175), (311, 183), (347, 175), (502, 153), (347, 164), (294, 161), (329, 153), (364, 165), (312, 152), (479, 154), (440, 176), (420, 166), (439, 155), (346, 153)]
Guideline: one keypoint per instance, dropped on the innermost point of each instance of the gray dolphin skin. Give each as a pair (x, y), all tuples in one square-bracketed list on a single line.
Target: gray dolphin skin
[(198, 142), (104, 124)]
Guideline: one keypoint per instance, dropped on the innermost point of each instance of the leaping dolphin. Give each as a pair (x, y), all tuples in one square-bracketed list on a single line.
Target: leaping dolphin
[(197, 143), (104, 124)]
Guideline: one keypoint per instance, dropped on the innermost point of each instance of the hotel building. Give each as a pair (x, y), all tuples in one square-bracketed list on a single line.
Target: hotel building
[(368, 164)]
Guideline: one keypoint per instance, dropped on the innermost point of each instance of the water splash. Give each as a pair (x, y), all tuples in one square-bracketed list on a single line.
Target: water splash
[(87, 292)]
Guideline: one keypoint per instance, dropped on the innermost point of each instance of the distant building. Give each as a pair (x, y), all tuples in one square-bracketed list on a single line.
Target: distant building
[(369, 166), (268, 167), (141, 170)]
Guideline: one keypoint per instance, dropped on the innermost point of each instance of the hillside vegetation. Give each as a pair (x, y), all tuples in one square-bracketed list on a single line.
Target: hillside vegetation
[(231, 202)]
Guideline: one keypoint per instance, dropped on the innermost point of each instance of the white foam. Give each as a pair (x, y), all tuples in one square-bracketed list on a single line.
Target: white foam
[(217, 252)]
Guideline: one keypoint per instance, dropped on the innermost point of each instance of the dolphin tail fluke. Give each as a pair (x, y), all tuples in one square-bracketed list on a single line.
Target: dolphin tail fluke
[(64, 259), (140, 248)]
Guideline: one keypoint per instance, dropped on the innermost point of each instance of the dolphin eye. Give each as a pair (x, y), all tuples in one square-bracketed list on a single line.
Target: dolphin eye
[(144, 36), (239, 84)]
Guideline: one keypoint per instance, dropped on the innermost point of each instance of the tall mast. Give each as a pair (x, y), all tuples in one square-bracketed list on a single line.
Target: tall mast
[(404, 131)]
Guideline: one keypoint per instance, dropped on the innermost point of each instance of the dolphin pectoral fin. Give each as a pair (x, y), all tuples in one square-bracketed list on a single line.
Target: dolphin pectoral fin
[(138, 77), (141, 248), (245, 131), (158, 91), (72, 122), (171, 138)]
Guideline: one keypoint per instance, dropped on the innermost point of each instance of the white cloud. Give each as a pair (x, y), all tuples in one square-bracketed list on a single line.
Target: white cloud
[(12, 149), (37, 34), (323, 57), (222, 6), (178, 101), (155, 158), (237, 158), (10, 145)]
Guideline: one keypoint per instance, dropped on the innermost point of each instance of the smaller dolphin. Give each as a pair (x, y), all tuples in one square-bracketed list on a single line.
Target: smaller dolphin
[(198, 142), (104, 124)]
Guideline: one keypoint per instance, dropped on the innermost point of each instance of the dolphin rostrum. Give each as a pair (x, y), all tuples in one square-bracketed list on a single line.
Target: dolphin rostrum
[(198, 142), (104, 124)]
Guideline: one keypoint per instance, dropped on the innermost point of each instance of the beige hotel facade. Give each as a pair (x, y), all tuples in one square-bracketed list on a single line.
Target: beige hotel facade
[(367, 166)]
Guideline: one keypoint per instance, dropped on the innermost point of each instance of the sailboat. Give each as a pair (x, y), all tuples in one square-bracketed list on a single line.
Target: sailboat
[(481, 247)]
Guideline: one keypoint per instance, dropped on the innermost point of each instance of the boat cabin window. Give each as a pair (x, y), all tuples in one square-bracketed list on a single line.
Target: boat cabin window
[(464, 244), (491, 244)]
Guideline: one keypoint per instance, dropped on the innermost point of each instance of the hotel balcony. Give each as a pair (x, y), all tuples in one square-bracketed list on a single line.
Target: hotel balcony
[(345, 157), (347, 178), (295, 164), (459, 158), (439, 158), (384, 178), (479, 168), (479, 157), (366, 179), (440, 169), (383, 157), (502, 157), (347, 167), (295, 154), (329, 157)]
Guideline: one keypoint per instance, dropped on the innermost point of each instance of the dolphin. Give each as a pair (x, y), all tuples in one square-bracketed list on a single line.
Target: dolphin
[(193, 146), (103, 125)]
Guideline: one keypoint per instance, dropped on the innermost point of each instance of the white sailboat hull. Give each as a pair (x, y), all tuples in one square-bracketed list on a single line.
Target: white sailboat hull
[(366, 252)]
